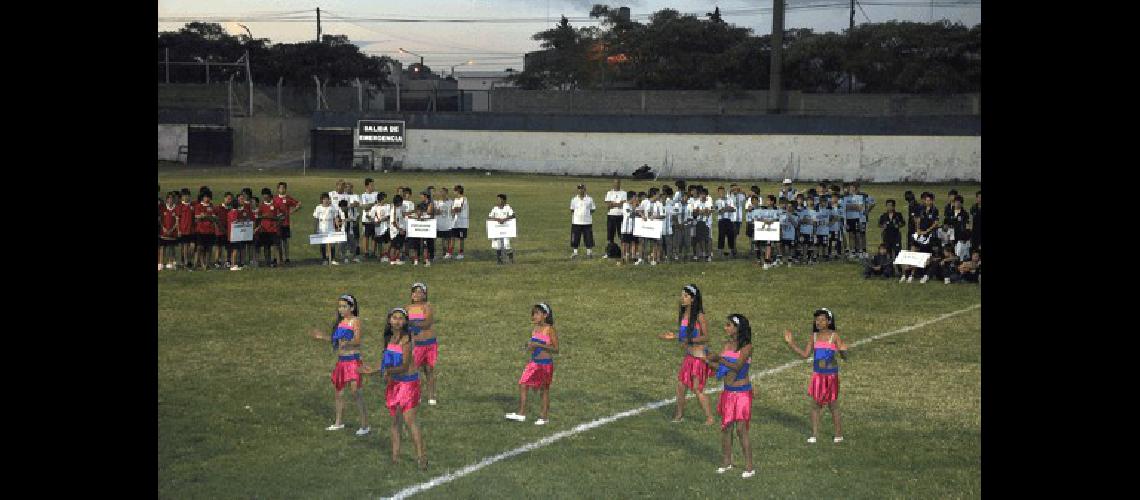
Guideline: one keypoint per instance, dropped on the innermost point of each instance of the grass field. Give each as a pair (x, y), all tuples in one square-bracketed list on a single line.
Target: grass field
[(244, 395)]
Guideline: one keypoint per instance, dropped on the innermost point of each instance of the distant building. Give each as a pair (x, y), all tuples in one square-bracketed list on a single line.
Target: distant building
[(475, 87)]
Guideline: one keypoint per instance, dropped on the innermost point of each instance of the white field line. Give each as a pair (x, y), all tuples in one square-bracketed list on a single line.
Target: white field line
[(580, 428)]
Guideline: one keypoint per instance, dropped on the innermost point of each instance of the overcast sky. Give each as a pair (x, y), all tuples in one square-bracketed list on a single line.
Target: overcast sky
[(497, 46)]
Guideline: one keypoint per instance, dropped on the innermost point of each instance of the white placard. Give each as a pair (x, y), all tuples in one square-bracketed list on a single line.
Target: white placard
[(241, 231), (322, 238), (505, 230), (909, 258), (765, 231), (421, 228), (648, 228)]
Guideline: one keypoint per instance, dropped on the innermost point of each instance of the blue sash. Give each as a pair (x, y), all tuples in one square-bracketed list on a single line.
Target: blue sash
[(742, 388), (349, 357), (426, 342)]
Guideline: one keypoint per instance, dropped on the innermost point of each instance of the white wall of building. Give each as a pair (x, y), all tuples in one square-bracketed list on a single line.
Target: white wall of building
[(170, 137)]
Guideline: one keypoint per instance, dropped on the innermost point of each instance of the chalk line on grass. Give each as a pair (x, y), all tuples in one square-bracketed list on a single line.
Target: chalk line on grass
[(580, 428)]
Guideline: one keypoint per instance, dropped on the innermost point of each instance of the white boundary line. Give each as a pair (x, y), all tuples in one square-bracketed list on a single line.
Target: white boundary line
[(418, 488)]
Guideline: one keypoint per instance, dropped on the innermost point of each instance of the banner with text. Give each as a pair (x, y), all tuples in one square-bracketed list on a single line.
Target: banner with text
[(504, 230), (380, 133)]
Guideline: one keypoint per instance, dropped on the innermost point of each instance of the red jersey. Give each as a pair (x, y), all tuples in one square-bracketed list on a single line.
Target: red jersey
[(267, 214), (185, 219), (203, 225), (285, 205), (232, 216), (220, 212), (168, 228)]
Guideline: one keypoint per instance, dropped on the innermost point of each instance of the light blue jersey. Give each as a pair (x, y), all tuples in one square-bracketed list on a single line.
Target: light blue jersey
[(807, 219), (823, 221), (788, 223), (868, 201), (852, 206)]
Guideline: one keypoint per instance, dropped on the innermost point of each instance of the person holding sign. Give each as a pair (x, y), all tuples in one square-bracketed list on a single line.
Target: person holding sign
[(425, 210), (539, 372), (346, 339), (402, 392), (582, 221), (693, 336), (654, 210), (502, 213), (824, 386), (421, 319), (328, 220), (236, 214), (735, 406), (928, 223), (268, 217)]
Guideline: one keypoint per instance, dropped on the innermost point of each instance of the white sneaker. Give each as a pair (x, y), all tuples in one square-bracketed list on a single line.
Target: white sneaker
[(415, 262), (638, 263), (653, 263), (838, 439), (334, 427), (748, 473), (235, 268), (431, 402), (811, 440), (335, 263), (575, 254), (446, 256), (356, 259), (516, 417), (427, 263), (384, 259), (363, 431), (722, 470), (459, 257), (605, 256), (399, 262), (766, 266), (170, 266), (910, 279), (540, 421), (924, 279), (160, 267), (946, 280), (902, 279)]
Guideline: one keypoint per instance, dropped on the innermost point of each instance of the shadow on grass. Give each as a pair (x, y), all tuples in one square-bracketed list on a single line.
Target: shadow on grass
[(790, 421)]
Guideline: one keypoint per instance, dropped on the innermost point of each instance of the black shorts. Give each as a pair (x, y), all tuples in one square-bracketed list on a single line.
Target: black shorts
[(443, 234), (206, 240), (806, 239), (221, 239), (383, 237), (399, 240), (459, 232), (628, 238), (283, 232), (265, 239), (186, 238), (369, 230), (167, 243), (787, 242), (702, 232), (821, 239), (748, 230), (856, 226)]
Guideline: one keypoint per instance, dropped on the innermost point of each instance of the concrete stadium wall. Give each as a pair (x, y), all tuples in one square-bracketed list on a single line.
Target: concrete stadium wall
[(170, 137), (263, 137), (874, 158)]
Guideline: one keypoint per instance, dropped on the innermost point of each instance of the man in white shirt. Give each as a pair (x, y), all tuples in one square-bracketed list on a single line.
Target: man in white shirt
[(460, 211), (443, 220), (725, 215), (501, 213), (741, 199), (582, 221), (367, 201), (329, 219), (614, 199), (380, 213)]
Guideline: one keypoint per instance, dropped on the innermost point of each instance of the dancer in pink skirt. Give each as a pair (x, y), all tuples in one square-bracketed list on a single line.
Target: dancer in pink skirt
[(735, 405), (402, 394), (421, 322), (824, 386), (693, 336), (346, 338), (540, 370)]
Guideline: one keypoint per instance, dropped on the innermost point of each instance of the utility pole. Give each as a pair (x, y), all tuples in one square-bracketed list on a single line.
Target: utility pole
[(774, 87), (850, 46), (249, 77), (318, 25)]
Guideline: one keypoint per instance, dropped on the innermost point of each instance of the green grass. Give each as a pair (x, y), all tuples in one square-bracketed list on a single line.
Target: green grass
[(911, 402)]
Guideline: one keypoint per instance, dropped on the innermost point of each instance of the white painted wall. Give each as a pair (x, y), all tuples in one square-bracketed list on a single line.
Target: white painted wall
[(169, 138), (801, 157)]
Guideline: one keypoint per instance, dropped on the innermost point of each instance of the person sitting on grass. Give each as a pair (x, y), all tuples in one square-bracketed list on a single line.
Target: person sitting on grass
[(971, 270), (948, 266), (880, 264)]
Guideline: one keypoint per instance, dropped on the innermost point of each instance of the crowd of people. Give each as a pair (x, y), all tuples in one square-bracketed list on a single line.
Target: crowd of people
[(825, 223), (411, 349)]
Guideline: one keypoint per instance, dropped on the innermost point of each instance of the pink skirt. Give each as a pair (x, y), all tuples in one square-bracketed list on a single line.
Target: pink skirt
[(694, 367), (426, 354), (344, 372), (536, 375), (824, 389), (402, 396), (735, 407)]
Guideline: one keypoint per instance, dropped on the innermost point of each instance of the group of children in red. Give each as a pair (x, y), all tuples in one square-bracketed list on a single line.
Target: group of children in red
[(200, 233), (411, 348)]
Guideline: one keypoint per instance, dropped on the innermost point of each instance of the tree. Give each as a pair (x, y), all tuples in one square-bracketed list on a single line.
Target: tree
[(561, 63)]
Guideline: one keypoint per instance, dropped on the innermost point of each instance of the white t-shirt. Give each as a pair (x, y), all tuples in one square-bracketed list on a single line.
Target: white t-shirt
[(501, 212), (443, 217), (380, 215), (740, 200), (726, 202), (669, 208), (582, 208), (336, 197), (706, 204), (398, 220), (643, 208), (656, 211), (615, 195), (352, 211), (461, 218), (326, 218), (626, 218), (366, 202)]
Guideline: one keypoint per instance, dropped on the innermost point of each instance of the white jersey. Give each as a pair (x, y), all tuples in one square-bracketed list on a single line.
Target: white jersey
[(618, 196), (380, 215), (627, 217), (443, 218), (582, 208), (460, 219), (503, 212)]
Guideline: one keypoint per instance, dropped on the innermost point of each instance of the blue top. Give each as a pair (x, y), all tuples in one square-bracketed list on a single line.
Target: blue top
[(722, 369), (537, 350), (685, 333), (342, 332), (823, 360)]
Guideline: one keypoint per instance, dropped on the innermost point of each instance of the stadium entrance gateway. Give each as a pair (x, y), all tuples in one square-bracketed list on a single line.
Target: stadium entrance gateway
[(373, 137)]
